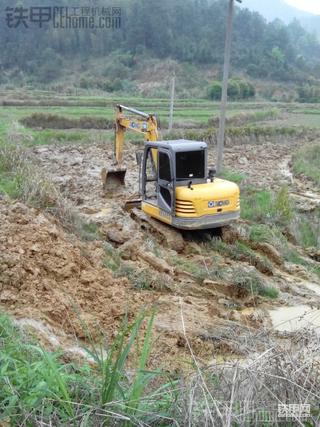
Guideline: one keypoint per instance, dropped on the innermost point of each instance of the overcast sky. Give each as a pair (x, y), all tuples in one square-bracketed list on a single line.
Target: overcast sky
[(312, 6)]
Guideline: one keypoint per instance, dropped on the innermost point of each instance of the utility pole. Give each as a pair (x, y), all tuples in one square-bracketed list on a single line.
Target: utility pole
[(172, 101), (224, 95)]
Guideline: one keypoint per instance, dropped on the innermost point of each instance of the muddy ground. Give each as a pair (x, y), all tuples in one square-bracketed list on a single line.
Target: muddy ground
[(66, 285)]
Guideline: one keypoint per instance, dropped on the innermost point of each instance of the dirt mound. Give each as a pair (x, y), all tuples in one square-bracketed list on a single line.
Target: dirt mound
[(45, 275), (49, 276)]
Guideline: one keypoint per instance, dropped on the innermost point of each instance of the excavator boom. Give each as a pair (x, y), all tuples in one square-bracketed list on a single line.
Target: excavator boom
[(138, 121)]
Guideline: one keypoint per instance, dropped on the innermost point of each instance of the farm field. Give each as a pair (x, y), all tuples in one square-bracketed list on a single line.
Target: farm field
[(81, 263)]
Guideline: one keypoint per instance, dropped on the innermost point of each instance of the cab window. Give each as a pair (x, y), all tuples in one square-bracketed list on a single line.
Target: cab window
[(190, 165), (164, 167)]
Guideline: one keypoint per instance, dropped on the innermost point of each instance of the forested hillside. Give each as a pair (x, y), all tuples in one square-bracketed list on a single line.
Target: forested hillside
[(188, 31)]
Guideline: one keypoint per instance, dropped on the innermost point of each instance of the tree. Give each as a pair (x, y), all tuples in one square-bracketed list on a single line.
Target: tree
[(215, 90)]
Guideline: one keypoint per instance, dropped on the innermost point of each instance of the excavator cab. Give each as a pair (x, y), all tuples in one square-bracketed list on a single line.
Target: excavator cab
[(178, 189)]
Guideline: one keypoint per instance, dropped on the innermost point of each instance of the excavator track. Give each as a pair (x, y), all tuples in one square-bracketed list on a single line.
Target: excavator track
[(165, 234)]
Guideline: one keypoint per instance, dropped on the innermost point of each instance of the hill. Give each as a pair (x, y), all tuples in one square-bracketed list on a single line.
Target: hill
[(194, 35), (279, 9), (273, 9)]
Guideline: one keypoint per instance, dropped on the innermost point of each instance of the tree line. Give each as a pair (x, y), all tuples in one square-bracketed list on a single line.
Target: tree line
[(185, 30)]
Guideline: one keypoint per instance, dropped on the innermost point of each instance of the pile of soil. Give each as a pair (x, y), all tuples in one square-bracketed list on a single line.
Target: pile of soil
[(45, 275), (50, 276)]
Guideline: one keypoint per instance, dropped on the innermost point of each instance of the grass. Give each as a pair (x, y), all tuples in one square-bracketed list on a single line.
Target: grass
[(306, 228), (112, 259), (306, 162), (233, 176), (90, 231), (274, 236), (49, 136), (254, 284), (20, 180), (88, 112), (199, 272), (263, 206), (141, 279), (240, 251), (37, 387)]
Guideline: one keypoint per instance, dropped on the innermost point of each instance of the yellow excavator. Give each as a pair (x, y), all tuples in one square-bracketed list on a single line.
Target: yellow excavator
[(176, 185)]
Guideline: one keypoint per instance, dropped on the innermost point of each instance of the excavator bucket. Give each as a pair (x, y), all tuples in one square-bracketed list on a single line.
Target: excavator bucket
[(113, 177)]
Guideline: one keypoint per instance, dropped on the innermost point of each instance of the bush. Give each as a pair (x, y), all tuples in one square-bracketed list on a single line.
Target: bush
[(233, 89), (237, 89), (308, 93), (215, 91)]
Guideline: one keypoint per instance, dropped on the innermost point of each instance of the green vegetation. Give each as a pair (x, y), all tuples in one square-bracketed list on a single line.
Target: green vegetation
[(55, 121), (254, 284), (199, 272), (36, 385), (306, 162), (275, 236), (107, 60), (140, 279), (265, 206), (245, 117), (90, 231), (240, 251), (19, 180), (309, 93), (49, 136), (237, 89), (307, 229), (233, 176), (112, 259)]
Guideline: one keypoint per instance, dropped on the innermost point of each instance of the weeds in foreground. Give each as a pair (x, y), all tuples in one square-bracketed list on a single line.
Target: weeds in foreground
[(36, 387)]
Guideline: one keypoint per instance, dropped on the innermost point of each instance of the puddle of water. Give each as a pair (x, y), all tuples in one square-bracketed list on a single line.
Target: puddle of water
[(291, 319)]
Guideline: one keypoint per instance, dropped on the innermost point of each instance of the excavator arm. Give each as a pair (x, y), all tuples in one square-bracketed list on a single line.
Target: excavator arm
[(137, 121)]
